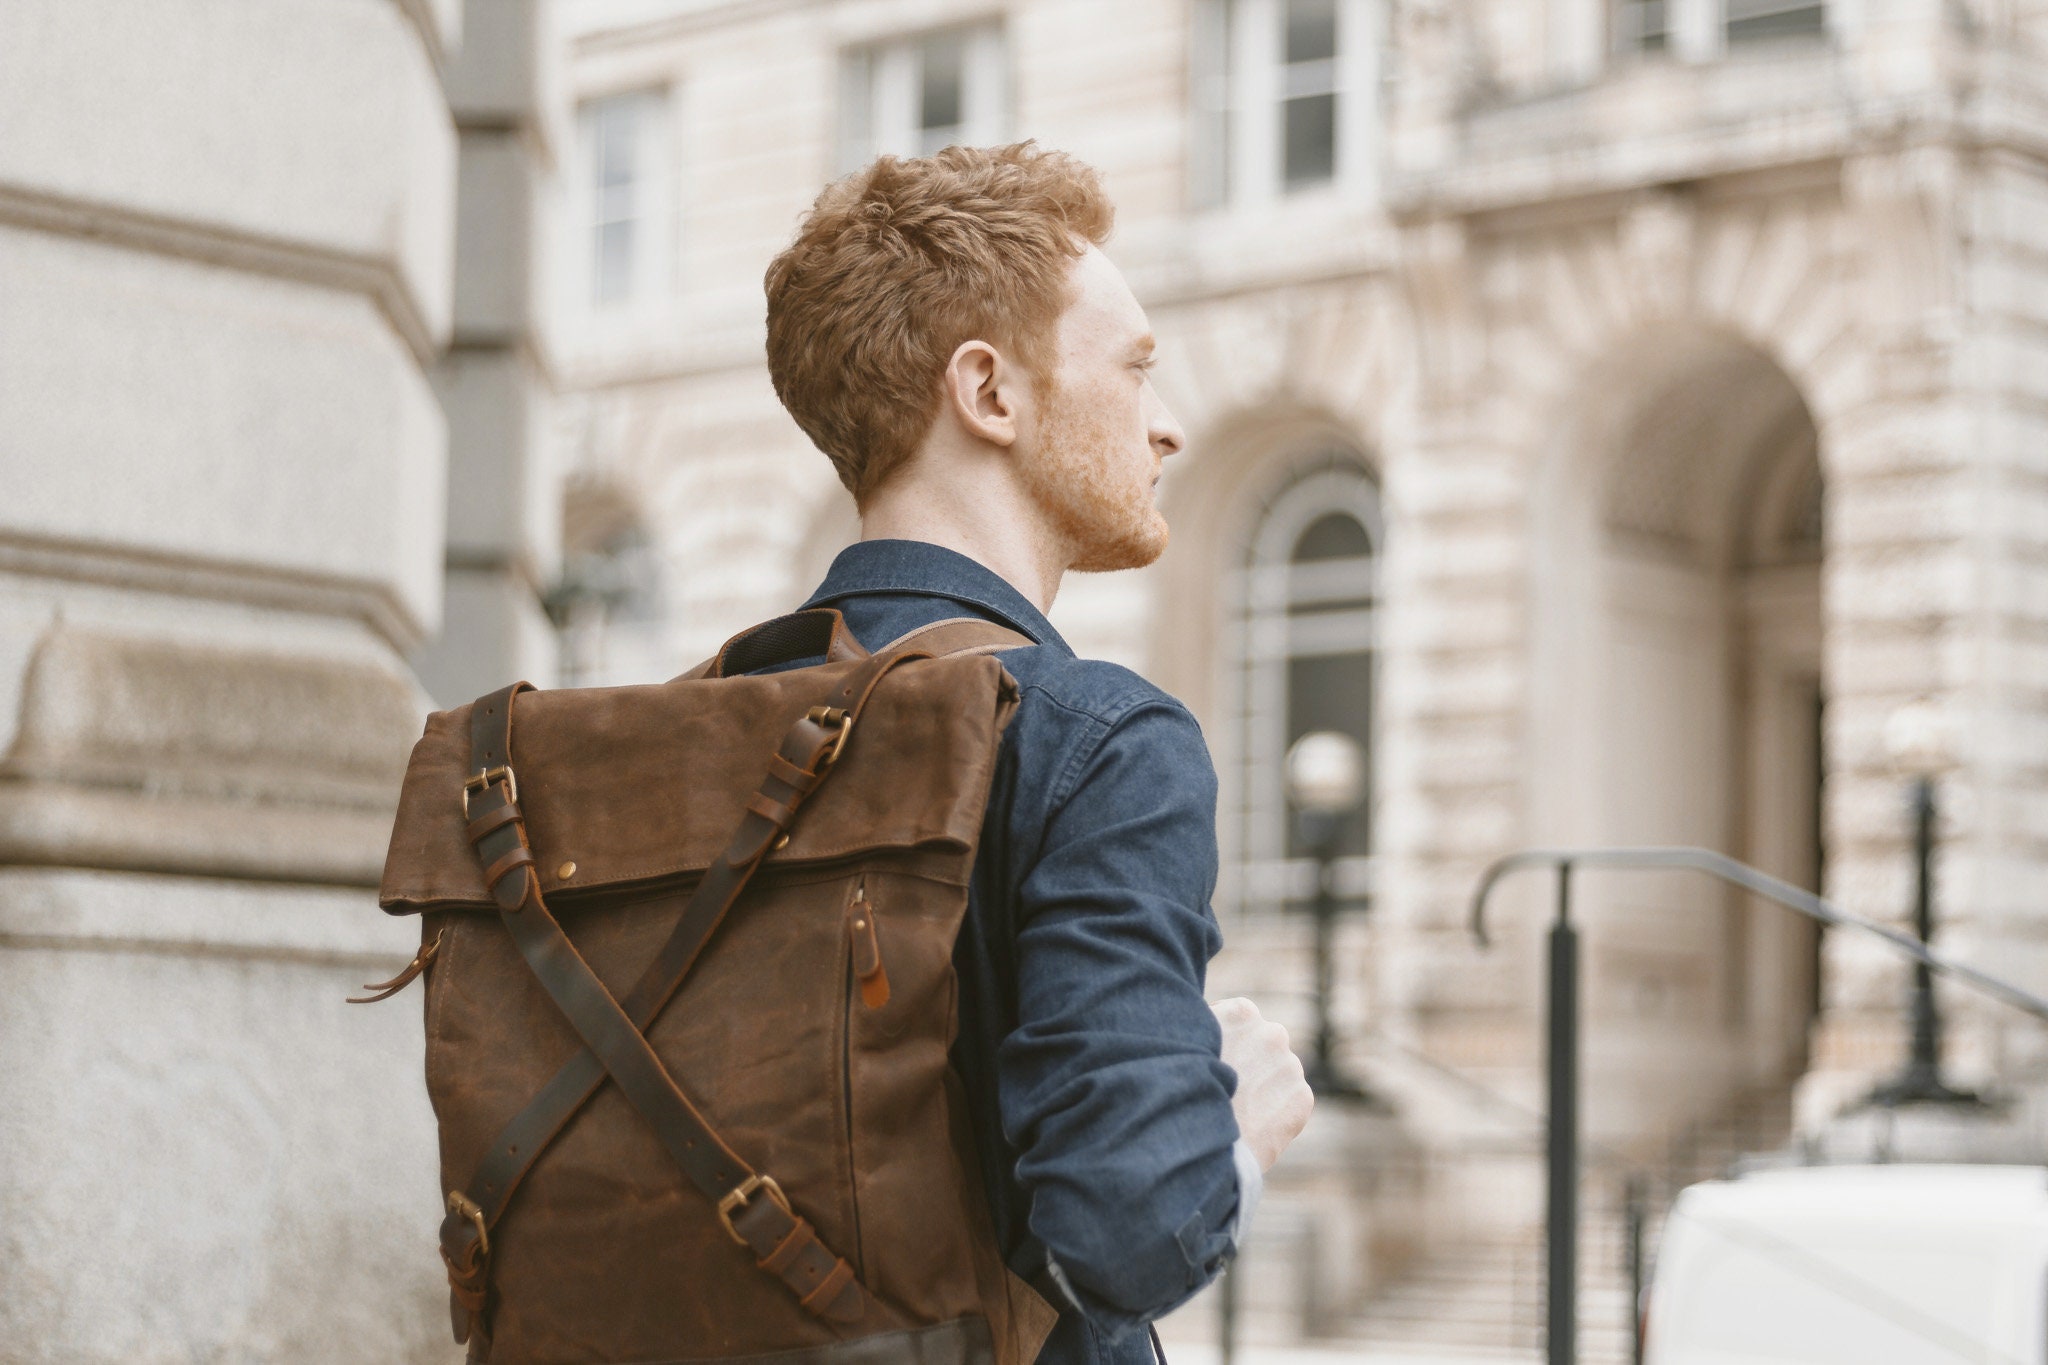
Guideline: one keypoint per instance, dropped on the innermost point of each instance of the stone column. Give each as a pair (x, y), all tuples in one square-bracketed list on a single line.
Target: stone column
[(1937, 590), (504, 526), (225, 234)]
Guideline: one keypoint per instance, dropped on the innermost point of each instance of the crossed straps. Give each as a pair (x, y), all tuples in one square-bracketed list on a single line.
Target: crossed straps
[(750, 1204)]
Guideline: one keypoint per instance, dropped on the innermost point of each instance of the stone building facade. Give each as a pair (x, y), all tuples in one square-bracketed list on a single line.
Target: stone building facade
[(271, 409), (1611, 411)]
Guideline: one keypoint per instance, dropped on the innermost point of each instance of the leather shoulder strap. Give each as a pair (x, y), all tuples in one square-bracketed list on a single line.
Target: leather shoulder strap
[(799, 635), (960, 635), (954, 635)]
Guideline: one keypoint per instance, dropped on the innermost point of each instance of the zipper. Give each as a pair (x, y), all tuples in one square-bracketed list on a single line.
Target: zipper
[(856, 908), (867, 949)]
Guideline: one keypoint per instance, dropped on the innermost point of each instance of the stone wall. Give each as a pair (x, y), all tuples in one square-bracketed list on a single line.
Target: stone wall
[(228, 269)]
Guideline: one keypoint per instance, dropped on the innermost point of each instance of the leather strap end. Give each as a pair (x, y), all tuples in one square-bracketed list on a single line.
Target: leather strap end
[(750, 841), (511, 878)]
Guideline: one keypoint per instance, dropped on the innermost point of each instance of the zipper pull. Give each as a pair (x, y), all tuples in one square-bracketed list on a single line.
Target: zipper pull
[(421, 960), (867, 950)]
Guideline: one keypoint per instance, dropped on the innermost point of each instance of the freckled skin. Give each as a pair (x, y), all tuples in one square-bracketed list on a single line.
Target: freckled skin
[(1031, 475), (1103, 429)]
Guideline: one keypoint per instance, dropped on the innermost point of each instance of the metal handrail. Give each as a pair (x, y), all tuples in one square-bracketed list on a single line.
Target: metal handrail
[(1561, 1144), (1757, 883)]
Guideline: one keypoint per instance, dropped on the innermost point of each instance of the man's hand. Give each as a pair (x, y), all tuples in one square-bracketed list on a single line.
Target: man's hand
[(1273, 1099)]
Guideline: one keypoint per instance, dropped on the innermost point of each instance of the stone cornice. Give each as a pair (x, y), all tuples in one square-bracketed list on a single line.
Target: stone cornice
[(375, 278), (712, 16), (128, 567), (1551, 152)]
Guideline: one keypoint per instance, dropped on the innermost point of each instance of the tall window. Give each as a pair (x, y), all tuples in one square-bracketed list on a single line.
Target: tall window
[(1305, 607), (1699, 30), (1750, 20), (624, 151), (1284, 97), (913, 96), (1642, 25)]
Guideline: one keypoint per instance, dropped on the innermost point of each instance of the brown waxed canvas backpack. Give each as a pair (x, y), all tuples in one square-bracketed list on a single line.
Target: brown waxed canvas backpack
[(688, 952)]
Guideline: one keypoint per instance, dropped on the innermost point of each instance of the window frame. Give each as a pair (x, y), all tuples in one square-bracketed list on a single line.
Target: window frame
[(1701, 30), (881, 91), (1261, 639), (1238, 93), (654, 273)]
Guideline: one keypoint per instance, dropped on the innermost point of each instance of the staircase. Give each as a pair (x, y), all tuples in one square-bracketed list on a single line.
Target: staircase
[(1485, 1300)]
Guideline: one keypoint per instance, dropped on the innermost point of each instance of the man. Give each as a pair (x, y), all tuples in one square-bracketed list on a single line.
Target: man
[(949, 333)]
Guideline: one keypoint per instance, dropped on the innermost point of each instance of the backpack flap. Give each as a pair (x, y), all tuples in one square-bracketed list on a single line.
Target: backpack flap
[(639, 786)]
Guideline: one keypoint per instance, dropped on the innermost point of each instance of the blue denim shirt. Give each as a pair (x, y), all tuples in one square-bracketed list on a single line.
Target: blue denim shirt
[(1100, 1105)]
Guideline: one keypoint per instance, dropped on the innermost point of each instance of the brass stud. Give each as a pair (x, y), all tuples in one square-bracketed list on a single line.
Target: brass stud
[(781, 844), (565, 871)]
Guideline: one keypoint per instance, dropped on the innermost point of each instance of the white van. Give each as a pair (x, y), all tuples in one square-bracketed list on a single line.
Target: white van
[(1855, 1265)]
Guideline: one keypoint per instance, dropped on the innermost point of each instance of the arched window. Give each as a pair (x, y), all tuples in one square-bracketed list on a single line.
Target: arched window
[(1304, 610)]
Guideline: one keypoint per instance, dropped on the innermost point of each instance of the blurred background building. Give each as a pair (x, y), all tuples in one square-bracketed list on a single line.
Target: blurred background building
[(1609, 413)]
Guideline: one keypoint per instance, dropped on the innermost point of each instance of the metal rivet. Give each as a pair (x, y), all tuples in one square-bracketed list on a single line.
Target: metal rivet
[(860, 924), (565, 871), (783, 842)]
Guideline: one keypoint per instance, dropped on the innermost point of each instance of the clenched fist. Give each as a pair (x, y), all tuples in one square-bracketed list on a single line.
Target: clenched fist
[(1273, 1099)]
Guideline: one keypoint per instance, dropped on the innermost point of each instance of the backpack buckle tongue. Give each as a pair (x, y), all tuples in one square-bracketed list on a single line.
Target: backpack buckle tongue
[(458, 1202), (738, 1198), (484, 778), (833, 716)]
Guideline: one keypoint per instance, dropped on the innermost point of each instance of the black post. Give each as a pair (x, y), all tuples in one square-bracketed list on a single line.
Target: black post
[(1920, 1082), (1925, 1067), (1562, 1144), (1320, 832), (1634, 1214), (1325, 910)]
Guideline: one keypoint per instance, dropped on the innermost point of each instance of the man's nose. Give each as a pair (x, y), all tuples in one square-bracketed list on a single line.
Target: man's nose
[(1164, 431)]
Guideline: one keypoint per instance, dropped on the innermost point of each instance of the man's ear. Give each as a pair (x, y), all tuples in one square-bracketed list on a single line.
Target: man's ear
[(981, 393)]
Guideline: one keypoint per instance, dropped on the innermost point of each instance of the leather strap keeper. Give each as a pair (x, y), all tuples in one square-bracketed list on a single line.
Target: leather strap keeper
[(491, 820), (806, 1266)]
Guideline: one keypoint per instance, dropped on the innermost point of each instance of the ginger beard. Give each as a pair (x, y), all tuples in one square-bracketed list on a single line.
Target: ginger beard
[(1095, 491)]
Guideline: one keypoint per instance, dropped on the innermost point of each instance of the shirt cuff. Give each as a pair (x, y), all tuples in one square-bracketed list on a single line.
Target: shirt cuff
[(1251, 1183)]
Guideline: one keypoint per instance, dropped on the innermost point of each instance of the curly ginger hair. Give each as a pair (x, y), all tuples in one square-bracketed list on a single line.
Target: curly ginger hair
[(899, 263)]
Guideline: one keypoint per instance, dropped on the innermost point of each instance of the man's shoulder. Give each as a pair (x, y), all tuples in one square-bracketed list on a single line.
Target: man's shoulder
[(1095, 689)]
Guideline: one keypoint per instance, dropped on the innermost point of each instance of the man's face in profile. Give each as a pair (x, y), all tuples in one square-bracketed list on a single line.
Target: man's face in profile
[(1102, 429)]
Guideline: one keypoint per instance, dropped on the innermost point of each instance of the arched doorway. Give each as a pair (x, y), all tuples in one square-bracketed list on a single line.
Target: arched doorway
[(1682, 689)]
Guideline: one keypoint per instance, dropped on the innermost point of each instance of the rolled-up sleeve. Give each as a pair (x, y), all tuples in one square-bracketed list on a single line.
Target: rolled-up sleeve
[(1111, 1087)]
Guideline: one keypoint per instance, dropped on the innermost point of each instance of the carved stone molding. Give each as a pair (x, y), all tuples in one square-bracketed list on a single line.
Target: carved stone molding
[(1657, 236), (1437, 275), (151, 754)]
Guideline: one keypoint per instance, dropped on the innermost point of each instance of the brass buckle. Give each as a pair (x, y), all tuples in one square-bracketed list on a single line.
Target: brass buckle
[(484, 779), (738, 1199), (831, 715), (458, 1202)]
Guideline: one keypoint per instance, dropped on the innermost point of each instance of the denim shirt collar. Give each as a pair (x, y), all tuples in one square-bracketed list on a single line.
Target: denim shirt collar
[(918, 568)]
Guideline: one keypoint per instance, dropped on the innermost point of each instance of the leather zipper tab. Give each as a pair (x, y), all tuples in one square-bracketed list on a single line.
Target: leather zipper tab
[(867, 950), (384, 990)]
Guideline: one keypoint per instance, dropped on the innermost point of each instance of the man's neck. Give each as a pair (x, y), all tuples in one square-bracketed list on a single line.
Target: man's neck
[(991, 529)]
